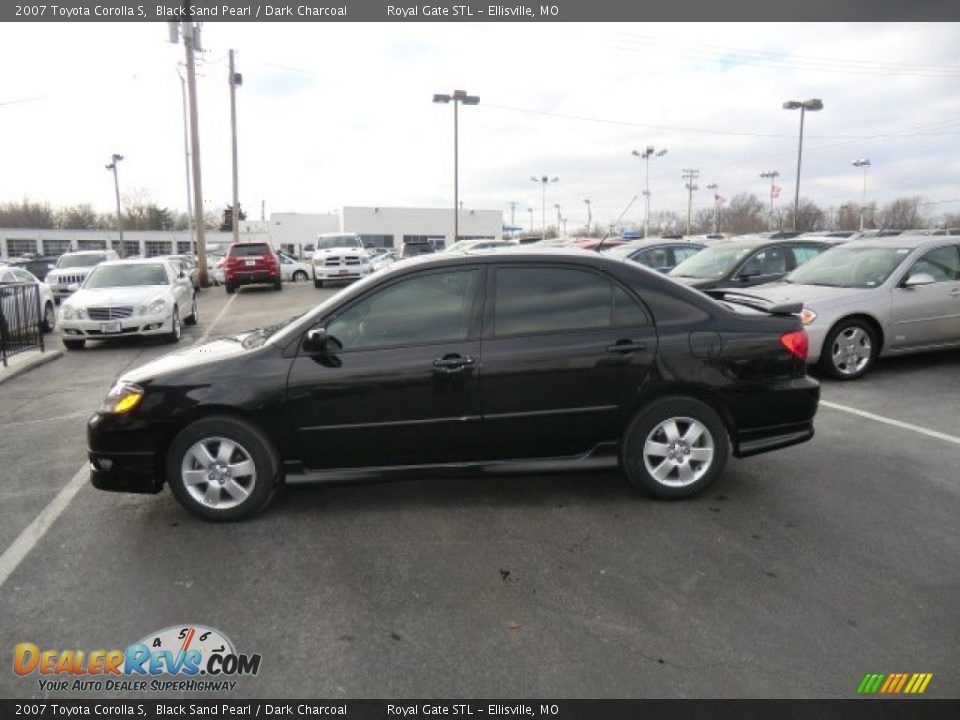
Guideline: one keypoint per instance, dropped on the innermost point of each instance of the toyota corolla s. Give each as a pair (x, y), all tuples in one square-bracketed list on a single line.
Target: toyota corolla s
[(519, 361)]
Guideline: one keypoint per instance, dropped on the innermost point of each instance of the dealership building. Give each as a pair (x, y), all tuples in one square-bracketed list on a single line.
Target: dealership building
[(381, 226)]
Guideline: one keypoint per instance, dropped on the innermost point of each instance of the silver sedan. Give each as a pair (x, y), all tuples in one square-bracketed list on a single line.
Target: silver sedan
[(873, 298)]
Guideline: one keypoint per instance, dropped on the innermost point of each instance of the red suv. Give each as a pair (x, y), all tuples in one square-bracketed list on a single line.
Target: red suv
[(253, 263)]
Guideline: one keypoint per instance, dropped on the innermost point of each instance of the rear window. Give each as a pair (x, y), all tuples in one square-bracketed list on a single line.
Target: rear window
[(249, 250)]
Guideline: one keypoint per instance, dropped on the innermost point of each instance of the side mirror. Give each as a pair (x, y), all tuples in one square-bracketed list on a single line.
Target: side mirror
[(316, 340), (750, 270), (919, 279)]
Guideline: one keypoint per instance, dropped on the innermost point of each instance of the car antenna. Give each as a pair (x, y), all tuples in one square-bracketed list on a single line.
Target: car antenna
[(604, 238)]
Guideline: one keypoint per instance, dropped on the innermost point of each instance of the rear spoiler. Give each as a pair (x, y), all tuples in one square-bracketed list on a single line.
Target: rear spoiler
[(788, 308)]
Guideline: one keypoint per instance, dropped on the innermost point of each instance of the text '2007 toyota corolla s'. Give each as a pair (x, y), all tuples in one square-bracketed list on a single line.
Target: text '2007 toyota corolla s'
[(510, 362)]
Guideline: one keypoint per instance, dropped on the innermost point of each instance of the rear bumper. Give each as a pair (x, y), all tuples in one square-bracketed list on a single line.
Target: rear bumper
[(773, 416), (251, 278)]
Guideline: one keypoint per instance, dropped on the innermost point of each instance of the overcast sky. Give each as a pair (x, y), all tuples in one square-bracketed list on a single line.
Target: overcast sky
[(341, 114)]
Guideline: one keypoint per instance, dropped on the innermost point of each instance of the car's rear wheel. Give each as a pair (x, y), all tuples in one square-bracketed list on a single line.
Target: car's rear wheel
[(674, 448), (230, 288), (222, 468), (49, 317), (74, 344), (278, 284), (176, 330), (194, 317), (849, 350), (300, 276)]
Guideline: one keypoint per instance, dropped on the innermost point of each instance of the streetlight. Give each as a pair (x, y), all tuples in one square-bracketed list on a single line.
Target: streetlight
[(559, 220), (530, 210), (543, 180), (772, 176), (589, 215), (862, 163), (716, 206), (458, 97), (645, 156), (813, 105), (116, 190)]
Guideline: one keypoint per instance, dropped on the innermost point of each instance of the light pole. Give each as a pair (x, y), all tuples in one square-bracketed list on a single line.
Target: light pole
[(645, 156), (543, 180), (116, 190), (691, 177), (772, 176), (513, 211), (863, 163), (716, 206), (813, 105), (530, 210), (458, 97), (589, 215), (559, 220)]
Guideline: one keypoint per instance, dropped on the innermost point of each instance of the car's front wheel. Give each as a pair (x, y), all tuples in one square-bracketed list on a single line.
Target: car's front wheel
[(49, 317), (300, 276), (674, 448), (849, 350), (194, 317), (175, 328), (222, 468)]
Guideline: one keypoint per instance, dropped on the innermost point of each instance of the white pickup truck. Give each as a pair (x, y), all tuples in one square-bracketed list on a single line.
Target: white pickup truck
[(339, 257)]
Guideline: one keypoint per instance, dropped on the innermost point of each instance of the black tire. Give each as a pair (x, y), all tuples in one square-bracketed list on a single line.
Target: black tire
[(859, 339), (251, 442), (278, 285), (300, 276), (318, 284), (49, 317), (74, 344), (194, 317), (230, 288), (679, 459), (176, 330)]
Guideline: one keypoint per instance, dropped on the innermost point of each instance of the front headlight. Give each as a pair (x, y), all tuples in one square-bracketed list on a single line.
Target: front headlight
[(807, 316), (122, 398), (49, 279), (154, 308), (69, 312)]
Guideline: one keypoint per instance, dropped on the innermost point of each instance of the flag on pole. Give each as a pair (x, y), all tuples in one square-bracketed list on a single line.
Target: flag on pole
[(775, 191)]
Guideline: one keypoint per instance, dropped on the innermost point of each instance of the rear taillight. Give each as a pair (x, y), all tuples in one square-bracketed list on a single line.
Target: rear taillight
[(796, 342)]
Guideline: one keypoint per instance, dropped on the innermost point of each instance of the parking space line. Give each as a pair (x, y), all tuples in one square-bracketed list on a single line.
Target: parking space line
[(34, 532), (895, 423), (71, 416), (28, 539)]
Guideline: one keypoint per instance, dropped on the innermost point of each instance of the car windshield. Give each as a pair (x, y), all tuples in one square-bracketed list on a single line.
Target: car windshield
[(714, 262), (619, 251), (850, 266), (338, 241), (110, 276), (73, 261)]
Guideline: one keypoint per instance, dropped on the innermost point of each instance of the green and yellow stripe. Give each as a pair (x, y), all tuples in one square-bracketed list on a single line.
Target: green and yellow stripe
[(894, 683)]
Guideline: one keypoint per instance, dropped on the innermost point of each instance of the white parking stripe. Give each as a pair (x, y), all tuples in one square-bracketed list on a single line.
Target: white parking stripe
[(890, 421), (80, 413), (26, 541), (34, 532)]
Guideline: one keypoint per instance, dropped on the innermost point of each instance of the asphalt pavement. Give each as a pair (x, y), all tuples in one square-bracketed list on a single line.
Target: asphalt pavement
[(796, 574)]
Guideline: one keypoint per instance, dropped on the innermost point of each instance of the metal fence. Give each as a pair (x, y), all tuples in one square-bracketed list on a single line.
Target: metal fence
[(21, 319)]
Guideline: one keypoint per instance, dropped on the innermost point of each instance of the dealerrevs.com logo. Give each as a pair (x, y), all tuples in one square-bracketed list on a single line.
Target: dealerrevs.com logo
[(179, 658)]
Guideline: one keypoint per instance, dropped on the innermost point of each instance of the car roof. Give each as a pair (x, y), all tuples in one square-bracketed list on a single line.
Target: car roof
[(904, 241), (88, 252), (159, 260), (760, 241)]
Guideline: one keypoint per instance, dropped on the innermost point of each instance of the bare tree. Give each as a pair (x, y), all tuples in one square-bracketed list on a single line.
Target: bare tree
[(76, 217), (746, 213), (26, 214), (903, 213), (809, 216)]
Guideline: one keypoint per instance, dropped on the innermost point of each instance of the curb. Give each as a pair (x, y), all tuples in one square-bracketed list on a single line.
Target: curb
[(42, 359)]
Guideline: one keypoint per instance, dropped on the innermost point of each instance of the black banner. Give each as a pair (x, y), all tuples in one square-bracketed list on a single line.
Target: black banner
[(472, 11), (863, 709)]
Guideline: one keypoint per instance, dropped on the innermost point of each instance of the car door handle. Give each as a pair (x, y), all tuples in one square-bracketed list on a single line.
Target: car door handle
[(453, 363), (626, 346)]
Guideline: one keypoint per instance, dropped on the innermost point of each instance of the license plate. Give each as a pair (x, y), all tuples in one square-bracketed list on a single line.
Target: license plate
[(249, 263), (344, 272), (110, 327)]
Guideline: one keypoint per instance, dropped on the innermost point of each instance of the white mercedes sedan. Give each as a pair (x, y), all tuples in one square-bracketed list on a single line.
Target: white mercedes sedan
[(129, 297)]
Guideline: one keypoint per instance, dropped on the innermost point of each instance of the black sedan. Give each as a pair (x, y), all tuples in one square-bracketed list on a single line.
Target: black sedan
[(747, 261), (519, 361)]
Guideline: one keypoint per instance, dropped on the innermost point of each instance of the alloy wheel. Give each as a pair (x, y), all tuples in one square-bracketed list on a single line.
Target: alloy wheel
[(219, 473), (851, 350), (678, 451)]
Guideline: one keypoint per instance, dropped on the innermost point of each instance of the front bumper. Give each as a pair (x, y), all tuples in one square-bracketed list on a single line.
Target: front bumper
[(135, 325), (341, 272), (123, 455)]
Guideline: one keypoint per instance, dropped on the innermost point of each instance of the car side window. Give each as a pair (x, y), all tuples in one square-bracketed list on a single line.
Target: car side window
[(424, 309), (22, 276), (7, 277), (942, 263), (627, 312), (682, 253), (769, 261), (654, 257), (803, 253), (542, 300)]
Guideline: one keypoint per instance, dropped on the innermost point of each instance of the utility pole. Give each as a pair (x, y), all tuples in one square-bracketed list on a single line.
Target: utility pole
[(235, 79), (116, 190), (513, 211), (772, 176), (690, 176), (589, 215), (186, 163), (716, 206), (190, 32), (263, 210), (564, 227)]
